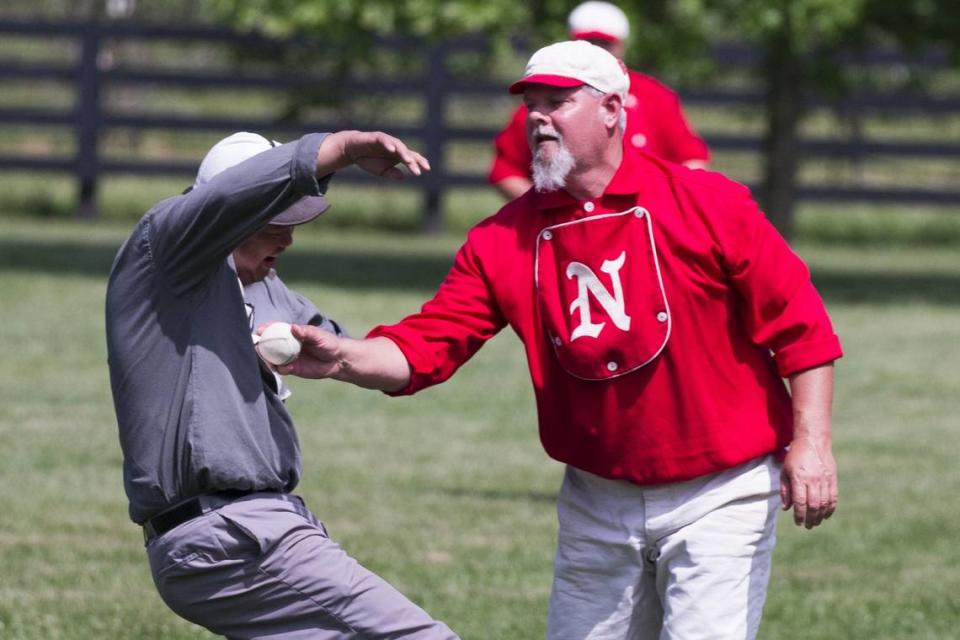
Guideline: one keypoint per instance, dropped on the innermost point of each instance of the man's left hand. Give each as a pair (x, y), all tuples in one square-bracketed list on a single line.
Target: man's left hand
[(808, 482), (375, 152)]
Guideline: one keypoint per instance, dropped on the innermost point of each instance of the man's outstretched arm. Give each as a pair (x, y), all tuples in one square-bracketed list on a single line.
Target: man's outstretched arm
[(373, 363)]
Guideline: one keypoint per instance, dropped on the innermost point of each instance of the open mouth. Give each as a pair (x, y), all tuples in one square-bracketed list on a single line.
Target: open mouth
[(270, 261), (541, 138)]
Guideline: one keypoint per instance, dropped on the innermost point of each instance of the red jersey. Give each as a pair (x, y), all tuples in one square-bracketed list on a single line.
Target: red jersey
[(657, 320), (655, 124)]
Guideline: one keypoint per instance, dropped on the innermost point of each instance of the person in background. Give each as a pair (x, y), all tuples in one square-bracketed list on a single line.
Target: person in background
[(655, 120)]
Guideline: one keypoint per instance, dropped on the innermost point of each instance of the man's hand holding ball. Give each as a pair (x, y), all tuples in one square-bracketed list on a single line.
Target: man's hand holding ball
[(277, 345)]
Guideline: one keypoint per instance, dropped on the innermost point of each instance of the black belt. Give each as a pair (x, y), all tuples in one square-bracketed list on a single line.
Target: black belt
[(188, 510)]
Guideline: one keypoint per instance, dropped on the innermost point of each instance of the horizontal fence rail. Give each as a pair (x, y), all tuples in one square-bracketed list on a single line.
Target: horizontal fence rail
[(433, 84)]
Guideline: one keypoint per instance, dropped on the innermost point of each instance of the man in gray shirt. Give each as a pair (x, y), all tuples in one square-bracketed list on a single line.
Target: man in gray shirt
[(210, 452)]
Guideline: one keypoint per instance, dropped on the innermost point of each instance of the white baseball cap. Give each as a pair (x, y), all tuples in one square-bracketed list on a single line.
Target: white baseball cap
[(598, 21), (241, 146), (574, 63)]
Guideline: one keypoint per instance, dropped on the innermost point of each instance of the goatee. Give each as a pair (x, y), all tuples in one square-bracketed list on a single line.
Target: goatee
[(550, 172)]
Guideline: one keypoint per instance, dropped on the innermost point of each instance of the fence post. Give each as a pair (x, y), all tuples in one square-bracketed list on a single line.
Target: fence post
[(434, 125), (87, 120), (855, 119)]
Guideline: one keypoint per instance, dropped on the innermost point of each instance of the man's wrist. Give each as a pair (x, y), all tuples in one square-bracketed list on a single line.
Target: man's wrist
[(332, 153), (820, 442)]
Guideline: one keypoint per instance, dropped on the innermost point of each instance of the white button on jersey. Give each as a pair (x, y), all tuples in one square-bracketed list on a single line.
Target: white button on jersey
[(547, 234), (638, 140), (612, 366), (557, 341), (588, 207), (662, 316), (640, 213)]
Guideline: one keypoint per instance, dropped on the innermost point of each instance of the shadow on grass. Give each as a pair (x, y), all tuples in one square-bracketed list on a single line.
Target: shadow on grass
[(359, 269), (850, 286), (348, 268), (501, 494)]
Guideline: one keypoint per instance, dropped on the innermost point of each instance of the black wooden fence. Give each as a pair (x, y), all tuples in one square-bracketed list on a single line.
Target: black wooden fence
[(433, 83)]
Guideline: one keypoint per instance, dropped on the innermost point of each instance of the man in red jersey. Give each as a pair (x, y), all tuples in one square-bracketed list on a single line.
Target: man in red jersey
[(655, 120), (660, 312)]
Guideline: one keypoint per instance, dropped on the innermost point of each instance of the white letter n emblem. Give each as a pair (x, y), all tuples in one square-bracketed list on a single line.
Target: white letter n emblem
[(587, 281)]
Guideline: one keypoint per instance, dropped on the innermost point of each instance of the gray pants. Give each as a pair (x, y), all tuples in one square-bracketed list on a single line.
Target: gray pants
[(264, 567)]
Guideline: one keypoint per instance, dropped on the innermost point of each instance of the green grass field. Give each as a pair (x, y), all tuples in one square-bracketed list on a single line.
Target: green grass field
[(448, 494)]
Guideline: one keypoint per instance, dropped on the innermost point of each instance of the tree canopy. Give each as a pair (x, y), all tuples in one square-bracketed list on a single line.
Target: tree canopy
[(349, 23)]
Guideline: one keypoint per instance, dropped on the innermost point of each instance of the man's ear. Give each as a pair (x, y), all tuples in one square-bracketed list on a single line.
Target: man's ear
[(611, 105)]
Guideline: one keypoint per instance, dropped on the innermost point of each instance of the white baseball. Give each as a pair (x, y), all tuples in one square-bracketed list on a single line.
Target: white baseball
[(277, 345)]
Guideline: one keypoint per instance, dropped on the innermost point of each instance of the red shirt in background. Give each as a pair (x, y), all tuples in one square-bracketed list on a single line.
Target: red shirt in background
[(658, 321), (655, 124)]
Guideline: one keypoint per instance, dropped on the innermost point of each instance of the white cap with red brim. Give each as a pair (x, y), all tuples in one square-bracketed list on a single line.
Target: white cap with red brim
[(572, 64), (241, 146), (598, 21)]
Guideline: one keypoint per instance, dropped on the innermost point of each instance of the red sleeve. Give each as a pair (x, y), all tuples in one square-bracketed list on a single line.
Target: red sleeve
[(451, 327), (512, 156), (782, 309), (684, 144), (677, 141)]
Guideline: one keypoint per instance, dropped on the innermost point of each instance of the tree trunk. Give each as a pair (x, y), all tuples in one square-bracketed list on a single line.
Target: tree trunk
[(781, 144)]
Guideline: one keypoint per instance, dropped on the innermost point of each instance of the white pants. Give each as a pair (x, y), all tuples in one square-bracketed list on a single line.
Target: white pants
[(682, 561)]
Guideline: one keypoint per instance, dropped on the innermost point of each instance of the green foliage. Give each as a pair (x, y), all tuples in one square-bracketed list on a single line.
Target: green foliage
[(799, 42), (343, 22), (167, 10), (674, 36), (918, 23), (811, 28), (348, 33), (810, 24)]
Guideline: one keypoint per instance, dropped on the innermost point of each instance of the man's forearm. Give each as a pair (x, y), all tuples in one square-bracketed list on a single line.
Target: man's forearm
[(513, 187), (812, 393), (374, 363), (695, 163), (808, 479)]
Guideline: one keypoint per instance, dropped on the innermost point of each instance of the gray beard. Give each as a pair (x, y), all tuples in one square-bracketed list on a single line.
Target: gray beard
[(550, 174)]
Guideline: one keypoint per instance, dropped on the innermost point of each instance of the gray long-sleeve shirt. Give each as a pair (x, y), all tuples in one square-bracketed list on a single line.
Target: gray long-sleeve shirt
[(270, 300), (193, 411)]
